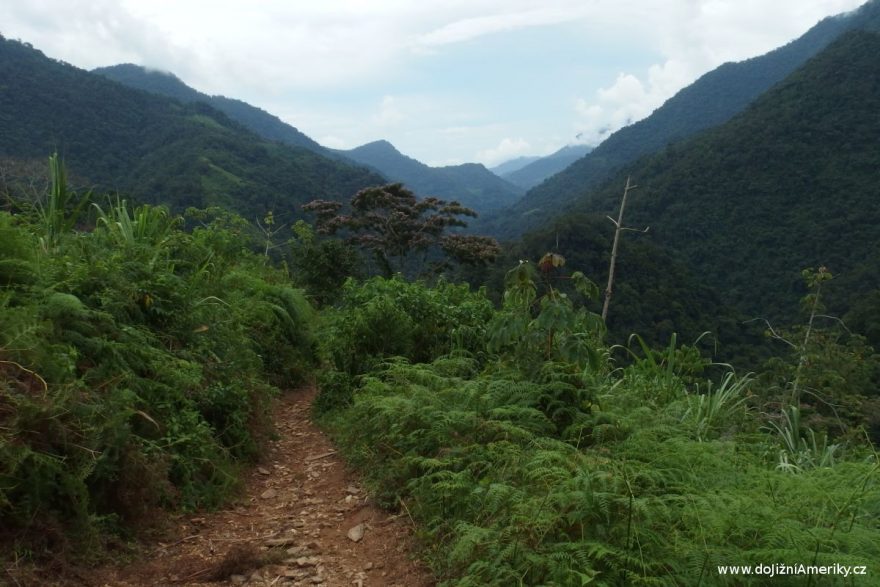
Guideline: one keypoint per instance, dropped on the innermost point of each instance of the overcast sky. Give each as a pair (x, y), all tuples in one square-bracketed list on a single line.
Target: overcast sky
[(446, 81)]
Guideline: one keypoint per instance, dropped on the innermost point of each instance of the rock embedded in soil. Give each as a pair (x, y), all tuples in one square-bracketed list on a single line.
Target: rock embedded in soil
[(356, 533)]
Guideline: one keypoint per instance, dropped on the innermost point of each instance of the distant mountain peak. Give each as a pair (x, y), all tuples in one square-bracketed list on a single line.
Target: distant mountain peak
[(381, 145), (154, 148), (469, 183), (532, 172)]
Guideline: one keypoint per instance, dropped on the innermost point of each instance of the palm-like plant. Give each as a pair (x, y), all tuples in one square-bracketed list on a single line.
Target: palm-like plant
[(801, 447), (61, 211), (710, 411), (145, 224)]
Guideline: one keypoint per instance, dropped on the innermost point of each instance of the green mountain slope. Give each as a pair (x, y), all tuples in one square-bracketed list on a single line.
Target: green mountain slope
[(710, 101), (471, 184), (261, 122), (154, 148), (789, 183), (537, 171)]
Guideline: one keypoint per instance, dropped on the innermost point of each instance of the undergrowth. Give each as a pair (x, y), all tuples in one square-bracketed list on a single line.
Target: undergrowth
[(533, 461), (137, 366)]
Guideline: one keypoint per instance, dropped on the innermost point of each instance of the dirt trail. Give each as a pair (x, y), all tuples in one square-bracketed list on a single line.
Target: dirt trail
[(304, 520)]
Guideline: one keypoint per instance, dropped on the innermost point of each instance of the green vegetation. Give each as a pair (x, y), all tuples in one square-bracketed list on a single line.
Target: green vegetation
[(710, 101), (529, 440), (166, 84), (655, 293), (397, 228), (137, 365), (790, 183), (152, 148), (526, 458), (471, 184)]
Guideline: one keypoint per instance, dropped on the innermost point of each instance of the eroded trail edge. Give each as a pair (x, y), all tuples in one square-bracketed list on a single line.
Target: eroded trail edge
[(303, 520)]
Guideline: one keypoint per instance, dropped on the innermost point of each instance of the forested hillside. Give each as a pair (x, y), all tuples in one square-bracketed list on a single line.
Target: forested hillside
[(788, 184), (259, 121), (710, 101), (721, 415), (155, 149), (655, 295), (471, 184)]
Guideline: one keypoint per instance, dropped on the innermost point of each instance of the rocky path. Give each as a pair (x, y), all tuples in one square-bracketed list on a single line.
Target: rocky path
[(304, 520)]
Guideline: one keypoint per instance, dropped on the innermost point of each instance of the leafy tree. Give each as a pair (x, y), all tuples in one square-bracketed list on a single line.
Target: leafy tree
[(534, 328), (394, 225), (319, 265)]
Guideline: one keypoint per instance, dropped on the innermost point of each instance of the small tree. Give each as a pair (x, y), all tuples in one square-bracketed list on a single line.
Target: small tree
[(394, 224), (321, 266), (538, 322)]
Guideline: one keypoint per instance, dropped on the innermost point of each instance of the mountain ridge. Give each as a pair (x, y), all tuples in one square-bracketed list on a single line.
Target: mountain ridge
[(787, 184), (256, 119), (471, 184), (534, 173), (711, 100), (512, 165), (154, 148)]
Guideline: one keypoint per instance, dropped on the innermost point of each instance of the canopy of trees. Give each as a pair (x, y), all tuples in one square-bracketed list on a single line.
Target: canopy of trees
[(395, 225)]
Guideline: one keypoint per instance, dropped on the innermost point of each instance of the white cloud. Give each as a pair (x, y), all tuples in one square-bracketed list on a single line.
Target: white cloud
[(390, 113), (333, 142), (89, 33), (506, 149), (466, 29), (694, 36), (629, 100)]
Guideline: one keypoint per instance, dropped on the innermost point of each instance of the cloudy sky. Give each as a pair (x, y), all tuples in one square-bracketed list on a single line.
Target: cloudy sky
[(446, 81)]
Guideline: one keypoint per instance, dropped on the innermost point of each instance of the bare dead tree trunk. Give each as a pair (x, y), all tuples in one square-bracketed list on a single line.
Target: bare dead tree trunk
[(618, 228), (802, 360)]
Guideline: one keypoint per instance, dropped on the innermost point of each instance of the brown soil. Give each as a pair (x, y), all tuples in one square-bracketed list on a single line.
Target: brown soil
[(293, 526)]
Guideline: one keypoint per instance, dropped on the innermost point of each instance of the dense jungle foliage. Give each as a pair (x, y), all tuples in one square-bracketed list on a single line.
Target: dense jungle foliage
[(656, 294), (137, 364), (526, 455), (139, 361), (789, 183), (529, 440)]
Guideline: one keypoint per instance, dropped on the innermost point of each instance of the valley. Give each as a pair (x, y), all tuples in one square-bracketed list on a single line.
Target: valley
[(230, 354)]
